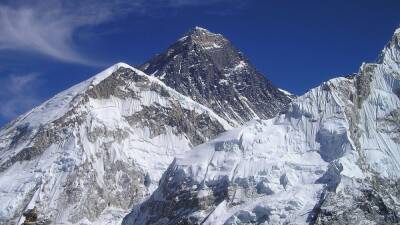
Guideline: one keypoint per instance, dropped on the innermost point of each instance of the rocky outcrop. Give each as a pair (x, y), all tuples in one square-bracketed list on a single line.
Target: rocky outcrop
[(197, 127), (390, 124), (30, 217), (367, 201)]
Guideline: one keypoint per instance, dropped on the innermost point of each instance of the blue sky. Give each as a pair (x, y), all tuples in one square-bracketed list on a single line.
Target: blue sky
[(47, 46)]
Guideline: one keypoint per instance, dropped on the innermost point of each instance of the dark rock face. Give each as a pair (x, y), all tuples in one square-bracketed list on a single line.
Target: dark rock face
[(209, 69), (373, 202), (30, 217), (197, 127), (390, 124), (177, 198)]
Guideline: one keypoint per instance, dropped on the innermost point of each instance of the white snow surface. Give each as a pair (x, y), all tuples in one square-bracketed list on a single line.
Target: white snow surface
[(290, 95), (269, 151), (104, 138)]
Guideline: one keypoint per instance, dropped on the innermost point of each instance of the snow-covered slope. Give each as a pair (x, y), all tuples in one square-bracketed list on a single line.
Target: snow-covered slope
[(93, 151), (332, 158)]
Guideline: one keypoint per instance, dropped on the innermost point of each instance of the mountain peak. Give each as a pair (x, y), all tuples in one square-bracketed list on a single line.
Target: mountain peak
[(208, 68), (391, 53), (397, 31), (202, 37), (127, 122), (107, 72)]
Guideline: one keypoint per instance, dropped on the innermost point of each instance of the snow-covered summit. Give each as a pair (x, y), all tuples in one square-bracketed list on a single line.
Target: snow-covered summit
[(109, 71), (57, 106), (397, 31), (391, 53)]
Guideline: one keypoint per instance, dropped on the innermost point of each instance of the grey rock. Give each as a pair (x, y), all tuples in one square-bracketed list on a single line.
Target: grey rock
[(370, 202)]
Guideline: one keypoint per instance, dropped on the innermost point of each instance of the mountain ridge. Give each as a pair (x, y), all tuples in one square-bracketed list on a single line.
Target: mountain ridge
[(89, 153)]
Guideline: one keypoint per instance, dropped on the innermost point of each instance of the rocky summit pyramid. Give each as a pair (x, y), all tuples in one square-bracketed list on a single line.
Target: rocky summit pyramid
[(332, 158), (206, 67)]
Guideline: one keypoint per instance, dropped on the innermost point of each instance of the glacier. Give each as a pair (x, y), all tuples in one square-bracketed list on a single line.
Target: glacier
[(332, 158)]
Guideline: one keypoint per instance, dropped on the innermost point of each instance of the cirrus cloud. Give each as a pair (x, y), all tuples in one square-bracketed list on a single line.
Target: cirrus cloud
[(48, 26)]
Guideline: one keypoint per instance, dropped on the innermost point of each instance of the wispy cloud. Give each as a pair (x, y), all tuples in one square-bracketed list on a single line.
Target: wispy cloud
[(48, 26), (18, 93)]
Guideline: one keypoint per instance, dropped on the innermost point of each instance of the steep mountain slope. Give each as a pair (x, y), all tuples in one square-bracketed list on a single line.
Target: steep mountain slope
[(91, 152), (209, 69), (332, 158)]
